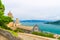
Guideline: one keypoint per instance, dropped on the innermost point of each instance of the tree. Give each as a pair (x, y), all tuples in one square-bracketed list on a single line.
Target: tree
[(3, 19), (1, 8)]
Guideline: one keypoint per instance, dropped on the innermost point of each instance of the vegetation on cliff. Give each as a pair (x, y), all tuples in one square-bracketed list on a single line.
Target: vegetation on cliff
[(7, 35), (43, 34), (3, 19)]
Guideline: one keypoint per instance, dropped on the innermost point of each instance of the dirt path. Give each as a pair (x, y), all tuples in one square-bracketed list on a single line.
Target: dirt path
[(26, 36)]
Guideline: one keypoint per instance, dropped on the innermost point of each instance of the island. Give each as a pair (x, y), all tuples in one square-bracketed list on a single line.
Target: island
[(54, 22)]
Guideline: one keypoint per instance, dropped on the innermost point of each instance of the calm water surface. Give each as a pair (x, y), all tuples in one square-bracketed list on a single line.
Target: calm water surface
[(44, 27)]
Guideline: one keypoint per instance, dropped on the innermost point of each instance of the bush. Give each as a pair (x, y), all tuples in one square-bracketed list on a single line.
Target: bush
[(18, 30), (13, 33), (5, 27), (43, 34), (59, 38)]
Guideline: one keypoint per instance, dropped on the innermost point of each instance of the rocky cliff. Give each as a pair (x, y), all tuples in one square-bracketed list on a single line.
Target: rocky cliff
[(4, 35)]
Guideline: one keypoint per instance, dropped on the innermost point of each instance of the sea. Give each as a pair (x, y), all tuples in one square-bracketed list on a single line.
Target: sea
[(44, 27)]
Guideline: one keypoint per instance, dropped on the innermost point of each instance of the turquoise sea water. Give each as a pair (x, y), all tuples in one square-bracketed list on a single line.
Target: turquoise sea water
[(44, 27)]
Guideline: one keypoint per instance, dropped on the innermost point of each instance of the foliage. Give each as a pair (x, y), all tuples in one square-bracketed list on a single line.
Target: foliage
[(1, 8), (13, 33), (3, 19), (19, 30), (43, 34), (5, 27), (59, 38)]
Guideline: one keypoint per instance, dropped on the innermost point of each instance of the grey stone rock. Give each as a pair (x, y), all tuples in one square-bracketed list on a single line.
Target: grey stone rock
[(8, 35)]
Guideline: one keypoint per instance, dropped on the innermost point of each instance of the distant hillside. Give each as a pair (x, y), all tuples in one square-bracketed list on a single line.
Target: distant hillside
[(55, 22), (34, 21)]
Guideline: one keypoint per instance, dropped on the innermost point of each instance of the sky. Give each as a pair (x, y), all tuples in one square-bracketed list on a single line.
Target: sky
[(33, 9)]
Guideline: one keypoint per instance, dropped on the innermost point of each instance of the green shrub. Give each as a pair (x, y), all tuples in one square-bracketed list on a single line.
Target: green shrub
[(18, 30), (59, 38), (5, 27), (43, 34), (13, 33)]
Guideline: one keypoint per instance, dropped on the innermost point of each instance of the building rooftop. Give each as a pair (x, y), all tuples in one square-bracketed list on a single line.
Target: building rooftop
[(29, 28)]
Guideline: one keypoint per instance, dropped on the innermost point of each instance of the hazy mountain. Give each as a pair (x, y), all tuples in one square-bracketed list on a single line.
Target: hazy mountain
[(35, 21)]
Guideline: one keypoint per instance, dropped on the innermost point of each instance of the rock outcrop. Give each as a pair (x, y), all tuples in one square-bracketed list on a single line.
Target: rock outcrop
[(4, 35)]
